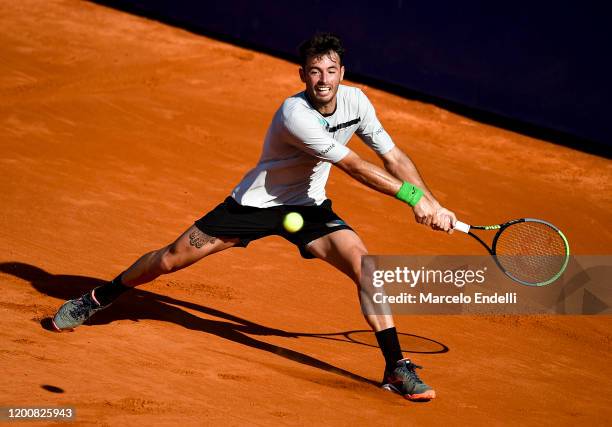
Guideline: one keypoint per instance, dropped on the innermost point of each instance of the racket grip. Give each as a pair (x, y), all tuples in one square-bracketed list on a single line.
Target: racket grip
[(462, 226)]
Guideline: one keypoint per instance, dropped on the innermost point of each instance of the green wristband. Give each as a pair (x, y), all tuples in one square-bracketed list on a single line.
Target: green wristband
[(409, 193)]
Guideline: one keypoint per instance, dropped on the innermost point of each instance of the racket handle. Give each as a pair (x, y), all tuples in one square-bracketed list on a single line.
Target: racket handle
[(462, 226)]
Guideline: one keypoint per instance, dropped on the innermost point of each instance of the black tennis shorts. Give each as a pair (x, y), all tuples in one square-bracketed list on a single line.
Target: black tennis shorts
[(231, 219)]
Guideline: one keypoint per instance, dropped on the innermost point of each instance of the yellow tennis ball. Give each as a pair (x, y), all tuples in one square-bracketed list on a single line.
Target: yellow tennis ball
[(293, 222)]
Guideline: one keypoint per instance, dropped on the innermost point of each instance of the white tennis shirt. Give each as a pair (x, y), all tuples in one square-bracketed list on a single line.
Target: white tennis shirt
[(301, 145)]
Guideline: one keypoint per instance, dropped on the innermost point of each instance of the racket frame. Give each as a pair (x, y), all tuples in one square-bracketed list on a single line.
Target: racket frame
[(466, 228)]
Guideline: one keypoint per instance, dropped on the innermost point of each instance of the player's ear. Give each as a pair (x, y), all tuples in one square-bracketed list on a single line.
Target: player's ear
[(302, 75), (342, 73)]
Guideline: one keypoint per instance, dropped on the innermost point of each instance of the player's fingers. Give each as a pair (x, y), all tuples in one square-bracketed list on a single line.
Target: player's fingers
[(453, 219), (441, 221), (447, 223)]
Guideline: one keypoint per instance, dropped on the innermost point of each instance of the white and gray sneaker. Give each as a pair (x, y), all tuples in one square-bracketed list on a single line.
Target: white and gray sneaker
[(75, 312), (404, 380)]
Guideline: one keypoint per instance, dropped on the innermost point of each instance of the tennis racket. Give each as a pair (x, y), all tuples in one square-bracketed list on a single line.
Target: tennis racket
[(530, 251)]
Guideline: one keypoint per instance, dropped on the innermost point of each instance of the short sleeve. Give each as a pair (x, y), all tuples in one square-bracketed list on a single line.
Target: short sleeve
[(308, 134), (370, 130)]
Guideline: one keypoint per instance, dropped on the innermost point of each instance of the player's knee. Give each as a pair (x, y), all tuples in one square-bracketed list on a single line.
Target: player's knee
[(368, 266), (356, 263), (167, 260)]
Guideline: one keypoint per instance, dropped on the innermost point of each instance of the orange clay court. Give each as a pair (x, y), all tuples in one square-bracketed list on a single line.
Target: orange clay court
[(118, 132)]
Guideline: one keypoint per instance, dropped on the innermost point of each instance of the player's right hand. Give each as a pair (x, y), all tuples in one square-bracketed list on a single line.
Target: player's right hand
[(444, 220), (428, 212)]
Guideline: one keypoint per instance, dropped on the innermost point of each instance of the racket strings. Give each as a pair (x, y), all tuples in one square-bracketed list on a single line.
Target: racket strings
[(531, 251)]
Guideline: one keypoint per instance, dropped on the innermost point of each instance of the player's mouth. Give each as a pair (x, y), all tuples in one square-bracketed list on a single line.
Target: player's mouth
[(322, 90)]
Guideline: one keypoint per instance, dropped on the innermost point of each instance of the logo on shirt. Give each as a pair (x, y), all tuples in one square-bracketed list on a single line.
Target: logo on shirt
[(335, 223), (343, 125), (328, 149)]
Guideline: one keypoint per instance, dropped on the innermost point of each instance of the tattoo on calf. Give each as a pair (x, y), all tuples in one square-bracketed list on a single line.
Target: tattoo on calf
[(199, 239)]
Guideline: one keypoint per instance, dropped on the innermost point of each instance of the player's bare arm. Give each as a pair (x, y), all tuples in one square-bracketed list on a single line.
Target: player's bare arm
[(426, 211), (398, 164)]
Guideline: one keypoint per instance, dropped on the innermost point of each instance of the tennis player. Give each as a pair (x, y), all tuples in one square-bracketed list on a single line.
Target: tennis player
[(308, 135)]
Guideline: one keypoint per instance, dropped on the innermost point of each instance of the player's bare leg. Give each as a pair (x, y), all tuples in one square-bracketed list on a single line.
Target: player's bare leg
[(189, 247), (343, 249)]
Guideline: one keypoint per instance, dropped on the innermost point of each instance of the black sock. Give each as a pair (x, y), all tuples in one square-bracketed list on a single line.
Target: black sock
[(109, 292), (390, 347)]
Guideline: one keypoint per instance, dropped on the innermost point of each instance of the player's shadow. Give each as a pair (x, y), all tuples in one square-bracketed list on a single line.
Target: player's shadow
[(140, 304)]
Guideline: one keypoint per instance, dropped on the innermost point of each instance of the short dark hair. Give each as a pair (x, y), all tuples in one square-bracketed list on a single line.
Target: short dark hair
[(320, 44)]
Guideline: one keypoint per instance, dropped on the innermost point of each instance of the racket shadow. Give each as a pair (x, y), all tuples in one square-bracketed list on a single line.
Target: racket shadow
[(409, 343)]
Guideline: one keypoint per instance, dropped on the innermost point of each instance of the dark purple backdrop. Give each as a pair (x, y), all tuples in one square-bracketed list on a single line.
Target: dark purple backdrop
[(544, 63)]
